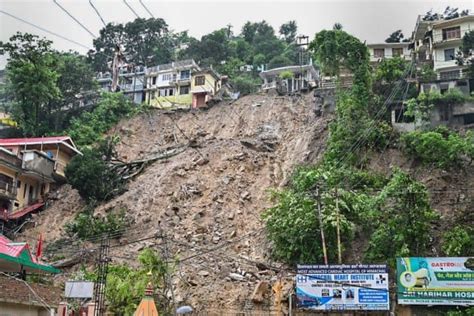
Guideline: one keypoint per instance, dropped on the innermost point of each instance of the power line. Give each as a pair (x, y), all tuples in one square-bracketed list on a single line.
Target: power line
[(126, 3), (97, 12), (146, 9), (72, 17), (45, 30)]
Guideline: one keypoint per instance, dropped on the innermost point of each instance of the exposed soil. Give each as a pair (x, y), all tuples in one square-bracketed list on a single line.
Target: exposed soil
[(208, 200)]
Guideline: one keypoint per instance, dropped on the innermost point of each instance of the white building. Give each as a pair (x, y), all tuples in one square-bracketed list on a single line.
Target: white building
[(303, 78), (379, 51), (446, 39)]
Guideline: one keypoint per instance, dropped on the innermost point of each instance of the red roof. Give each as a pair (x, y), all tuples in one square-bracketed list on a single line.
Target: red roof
[(11, 248), (24, 211), (33, 140)]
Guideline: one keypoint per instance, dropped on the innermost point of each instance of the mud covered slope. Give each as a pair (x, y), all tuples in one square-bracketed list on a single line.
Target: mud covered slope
[(207, 200)]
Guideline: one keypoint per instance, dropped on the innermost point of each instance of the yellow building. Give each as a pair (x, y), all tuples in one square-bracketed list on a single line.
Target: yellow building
[(204, 86), (28, 167), (169, 85)]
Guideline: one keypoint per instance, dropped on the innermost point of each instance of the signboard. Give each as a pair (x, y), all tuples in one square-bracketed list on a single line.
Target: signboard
[(342, 287), (435, 281), (79, 289)]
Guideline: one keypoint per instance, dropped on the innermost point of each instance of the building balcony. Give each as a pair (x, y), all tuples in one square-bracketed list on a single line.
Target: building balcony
[(181, 81), (9, 158), (38, 165), (7, 190), (130, 87)]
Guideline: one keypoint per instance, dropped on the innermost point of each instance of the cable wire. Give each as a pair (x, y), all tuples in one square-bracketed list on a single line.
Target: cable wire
[(76, 20), (45, 30), (149, 12), (97, 12), (126, 3)]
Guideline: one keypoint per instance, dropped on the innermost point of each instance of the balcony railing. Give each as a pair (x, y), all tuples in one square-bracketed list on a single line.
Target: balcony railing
[(59, 168), (38, 163), (11, 159), (7, 189)]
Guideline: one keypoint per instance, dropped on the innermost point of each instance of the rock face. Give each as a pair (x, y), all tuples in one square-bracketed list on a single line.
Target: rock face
[(208, 200)]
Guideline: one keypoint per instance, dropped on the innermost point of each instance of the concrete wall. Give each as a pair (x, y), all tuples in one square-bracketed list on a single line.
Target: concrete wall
[(11, 309)]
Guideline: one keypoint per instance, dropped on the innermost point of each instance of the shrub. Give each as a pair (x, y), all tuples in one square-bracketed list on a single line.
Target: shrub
[(286, 74), (440, 147), (245, 84), (401, 220), (459, 241), (90, 126), (86, 225), (91, 175)]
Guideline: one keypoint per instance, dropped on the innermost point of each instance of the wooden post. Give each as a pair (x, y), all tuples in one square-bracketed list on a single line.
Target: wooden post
[(320, 216), (338, 231)]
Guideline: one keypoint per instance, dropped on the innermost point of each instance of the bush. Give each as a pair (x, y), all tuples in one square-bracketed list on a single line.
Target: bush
[(459, 241), (401, 220), (440, 147), (91, 175), (246, 84), (90, 126), (86, 225)]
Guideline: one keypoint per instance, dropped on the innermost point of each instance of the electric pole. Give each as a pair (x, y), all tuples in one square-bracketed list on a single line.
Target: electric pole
[(102, 265), (320, 217), (338, 230), (302, 41)]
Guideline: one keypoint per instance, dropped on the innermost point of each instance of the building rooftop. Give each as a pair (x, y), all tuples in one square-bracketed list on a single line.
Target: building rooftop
[(64, 140), (180, 64), (17, 292), (294, 69)]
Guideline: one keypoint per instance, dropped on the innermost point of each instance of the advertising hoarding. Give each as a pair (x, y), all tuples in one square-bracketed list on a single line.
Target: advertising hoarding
[(435, 281), (342, 287)]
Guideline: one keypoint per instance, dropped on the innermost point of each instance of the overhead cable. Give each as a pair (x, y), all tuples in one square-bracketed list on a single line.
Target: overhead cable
[(76, 20)]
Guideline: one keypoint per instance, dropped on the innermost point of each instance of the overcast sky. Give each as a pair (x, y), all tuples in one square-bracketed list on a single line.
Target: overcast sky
[(370, 20)]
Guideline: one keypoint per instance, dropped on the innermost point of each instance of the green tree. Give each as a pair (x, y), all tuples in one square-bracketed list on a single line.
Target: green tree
[(288, 30), (401, 218), (90, 174), (144, 41), (395, 37), (32, 81), (279, 61), (459, 241)]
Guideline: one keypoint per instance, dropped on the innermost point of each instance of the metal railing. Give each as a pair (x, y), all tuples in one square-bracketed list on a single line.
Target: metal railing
[(7, 188)]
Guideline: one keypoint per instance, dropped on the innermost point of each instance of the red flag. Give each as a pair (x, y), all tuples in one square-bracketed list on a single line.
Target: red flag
[(39, 247)]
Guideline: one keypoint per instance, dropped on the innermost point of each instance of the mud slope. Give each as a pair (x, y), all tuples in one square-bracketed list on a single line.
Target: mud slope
[(208, 200)]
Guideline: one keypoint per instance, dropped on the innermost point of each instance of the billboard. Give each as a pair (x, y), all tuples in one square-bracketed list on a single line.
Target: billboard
[(342, 287), (79, 289), (435, 281)]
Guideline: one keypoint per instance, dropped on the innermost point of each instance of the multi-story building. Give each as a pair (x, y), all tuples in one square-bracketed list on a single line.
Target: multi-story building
[(435, 45), (303, 78), (380, 51), (28, 168), (205, 84), (169, 85), (131, 82)]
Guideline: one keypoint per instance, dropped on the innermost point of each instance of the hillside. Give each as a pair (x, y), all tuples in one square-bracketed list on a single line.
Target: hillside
[(208, 200)]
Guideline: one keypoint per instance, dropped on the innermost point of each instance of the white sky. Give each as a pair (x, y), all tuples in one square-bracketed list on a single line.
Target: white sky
[(370, 20)]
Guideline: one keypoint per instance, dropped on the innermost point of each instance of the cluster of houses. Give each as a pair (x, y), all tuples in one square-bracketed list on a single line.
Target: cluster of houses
[(179, 84), (30, 168)]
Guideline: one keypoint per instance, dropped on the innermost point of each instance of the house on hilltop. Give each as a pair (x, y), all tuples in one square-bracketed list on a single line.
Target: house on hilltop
[(303, 78), (28, 169), (205, 85), (169, 85)]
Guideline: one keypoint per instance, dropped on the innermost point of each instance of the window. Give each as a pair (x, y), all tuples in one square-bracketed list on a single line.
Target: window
[(397, 51), (166, 77), (452, 33), (379, 52), (444, 113), (199, 80), (18, 184), (184, 90), (171, 92), (449, 54), (185, 74), (447, 75), (153, 80)]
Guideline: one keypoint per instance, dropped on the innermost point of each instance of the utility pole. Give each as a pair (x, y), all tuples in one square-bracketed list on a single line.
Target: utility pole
[(302, 41), (118, 61), (102, 265), (338, 231), (321, 228)]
